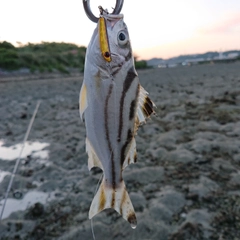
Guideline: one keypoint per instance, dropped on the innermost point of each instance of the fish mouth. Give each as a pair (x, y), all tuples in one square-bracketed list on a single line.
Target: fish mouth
[(112, 19)]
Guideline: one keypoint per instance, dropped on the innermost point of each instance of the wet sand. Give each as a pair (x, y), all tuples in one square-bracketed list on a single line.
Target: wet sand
[(185, 185)]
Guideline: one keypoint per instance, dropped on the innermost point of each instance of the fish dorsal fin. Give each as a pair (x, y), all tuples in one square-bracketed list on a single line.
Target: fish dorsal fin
[(131, 155), (144, 108), (83, 100), (93, 160)]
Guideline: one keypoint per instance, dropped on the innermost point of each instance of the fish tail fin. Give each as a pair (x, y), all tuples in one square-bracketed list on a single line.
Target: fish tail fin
[(117, 199)]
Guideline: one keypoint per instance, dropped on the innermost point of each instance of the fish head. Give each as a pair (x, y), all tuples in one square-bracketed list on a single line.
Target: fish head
[(110, 44), (118, 39)]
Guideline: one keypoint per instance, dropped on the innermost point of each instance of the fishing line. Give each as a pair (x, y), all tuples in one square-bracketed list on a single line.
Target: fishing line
[(19, 158), (100, 179)]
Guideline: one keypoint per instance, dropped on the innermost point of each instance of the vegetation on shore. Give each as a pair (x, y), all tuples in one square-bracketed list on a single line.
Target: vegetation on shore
[(45, 57)]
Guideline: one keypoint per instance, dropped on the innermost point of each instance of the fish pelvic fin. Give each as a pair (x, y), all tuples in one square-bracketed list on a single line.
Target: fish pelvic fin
[(131, 155), (145, 107), (83, 100), (93, 160), (117, 199)]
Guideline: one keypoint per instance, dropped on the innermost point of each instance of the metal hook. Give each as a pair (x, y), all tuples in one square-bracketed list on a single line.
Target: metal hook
[(91, 16)]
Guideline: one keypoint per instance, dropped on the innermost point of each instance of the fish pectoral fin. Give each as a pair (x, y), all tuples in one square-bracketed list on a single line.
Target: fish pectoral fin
[(131, 155), (145, 107), (93, 160), (117, 199), (83, 100)]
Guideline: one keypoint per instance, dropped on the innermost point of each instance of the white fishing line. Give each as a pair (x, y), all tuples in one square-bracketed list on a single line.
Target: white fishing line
[(100, 179), (19, 158)]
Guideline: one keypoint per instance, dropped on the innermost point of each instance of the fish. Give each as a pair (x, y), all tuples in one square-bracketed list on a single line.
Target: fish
[(113, 105)]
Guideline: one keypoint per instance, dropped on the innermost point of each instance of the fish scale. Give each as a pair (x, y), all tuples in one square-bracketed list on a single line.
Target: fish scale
[(113, 105)]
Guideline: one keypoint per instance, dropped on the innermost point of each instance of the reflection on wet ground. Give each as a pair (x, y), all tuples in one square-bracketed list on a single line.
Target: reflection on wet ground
[(30, 148), (28, 200), (10, 153)]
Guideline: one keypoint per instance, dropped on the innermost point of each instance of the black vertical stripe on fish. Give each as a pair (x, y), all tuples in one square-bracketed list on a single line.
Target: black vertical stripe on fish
[(107, 135), (113, 197), (124, 147), (149, 101), (133, 105), (148, 108), (132, 109), (131, 74)]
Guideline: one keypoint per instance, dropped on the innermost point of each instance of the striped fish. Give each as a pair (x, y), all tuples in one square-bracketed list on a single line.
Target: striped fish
[(112, 104)]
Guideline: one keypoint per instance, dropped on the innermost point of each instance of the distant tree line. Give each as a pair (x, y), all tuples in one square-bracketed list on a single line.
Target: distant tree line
[(46, 57), (43, 57)]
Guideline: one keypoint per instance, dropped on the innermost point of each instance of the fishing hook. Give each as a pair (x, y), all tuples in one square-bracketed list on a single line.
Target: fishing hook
[(92, 17)]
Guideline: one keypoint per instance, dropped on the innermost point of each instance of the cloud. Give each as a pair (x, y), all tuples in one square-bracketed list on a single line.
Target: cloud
[(228, 24)]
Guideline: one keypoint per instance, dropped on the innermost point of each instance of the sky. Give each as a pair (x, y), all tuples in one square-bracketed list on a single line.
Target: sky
[(157, 28)]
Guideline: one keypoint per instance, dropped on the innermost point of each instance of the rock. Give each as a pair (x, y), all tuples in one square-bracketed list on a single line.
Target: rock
[(199, 146), (209, 126), (235, 179), (151, 187), (159, 154), (147, 228), (171, 199), (35, 211), (230, 146), (138, 200), (49, 186), (236, 158), (101, 231), (211, 136), (220, 164), (181, 156), (168, 140), (144, 176), (159, 212), (197, 221), (174, 115), (203, 188)]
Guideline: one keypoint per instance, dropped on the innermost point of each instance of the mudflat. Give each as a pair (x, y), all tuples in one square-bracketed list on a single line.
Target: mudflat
[(185, 184)]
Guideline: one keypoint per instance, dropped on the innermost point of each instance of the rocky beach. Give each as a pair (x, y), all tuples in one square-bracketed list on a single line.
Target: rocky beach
[(184, 186)]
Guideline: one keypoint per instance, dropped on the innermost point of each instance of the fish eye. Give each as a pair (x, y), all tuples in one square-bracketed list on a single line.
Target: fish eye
[(122, 38)]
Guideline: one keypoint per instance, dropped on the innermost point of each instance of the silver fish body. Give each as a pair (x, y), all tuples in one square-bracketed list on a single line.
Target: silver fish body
[(113, 105)]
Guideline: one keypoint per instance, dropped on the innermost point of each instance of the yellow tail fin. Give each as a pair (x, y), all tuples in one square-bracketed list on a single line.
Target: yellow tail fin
[(117, 199)]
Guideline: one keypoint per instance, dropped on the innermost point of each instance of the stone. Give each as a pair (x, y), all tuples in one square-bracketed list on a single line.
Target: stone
[(199, 146), (159, 212), (138, 200), (220, 164), (181, 156), (236, 158), (235, 179), (144, 175), (204, 187), (171, 199), (195, 219)]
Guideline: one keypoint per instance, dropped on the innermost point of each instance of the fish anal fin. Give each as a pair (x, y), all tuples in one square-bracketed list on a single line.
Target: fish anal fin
[(93, 160), (83, 100), (117, 199), (145, 107), (131, 156)]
